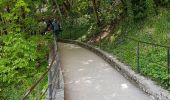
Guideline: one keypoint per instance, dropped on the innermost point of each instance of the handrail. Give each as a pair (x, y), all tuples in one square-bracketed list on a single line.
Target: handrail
[(153, 44), (164, 46), (38, 81)]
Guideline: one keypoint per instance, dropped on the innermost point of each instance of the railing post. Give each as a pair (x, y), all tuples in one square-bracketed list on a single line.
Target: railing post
[(38, 92), (50, 85), (168, 65), (61, 34), (75, 34), (100, 42), (108, 45), (81, 39), (138, 57), (70, 35)]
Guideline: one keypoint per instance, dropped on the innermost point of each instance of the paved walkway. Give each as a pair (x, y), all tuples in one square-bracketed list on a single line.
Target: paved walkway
[(88, 77)]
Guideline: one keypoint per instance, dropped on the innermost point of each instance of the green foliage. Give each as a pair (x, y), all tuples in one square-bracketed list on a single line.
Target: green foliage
[(137, 10), (153, 59), (31, 25), (20, 6), (154, 64), (150, 7), (162, 2), (23, 58), (22, 62), (17, 57), (80, 7), (130, 12), (162, 23)]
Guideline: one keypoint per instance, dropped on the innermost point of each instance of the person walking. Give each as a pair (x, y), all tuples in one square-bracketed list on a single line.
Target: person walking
[(56, 29), (49, 25)]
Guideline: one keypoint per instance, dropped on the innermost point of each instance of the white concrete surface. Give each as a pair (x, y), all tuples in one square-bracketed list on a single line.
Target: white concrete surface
[(88, 77)]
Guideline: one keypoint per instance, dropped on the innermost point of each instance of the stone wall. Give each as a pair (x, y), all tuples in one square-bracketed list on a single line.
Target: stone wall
[(56, 75)]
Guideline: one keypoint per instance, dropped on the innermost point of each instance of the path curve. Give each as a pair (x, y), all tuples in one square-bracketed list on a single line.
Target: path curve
[(89, 77)]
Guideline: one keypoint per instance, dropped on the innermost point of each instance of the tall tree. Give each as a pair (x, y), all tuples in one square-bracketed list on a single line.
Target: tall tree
[(95, 11)]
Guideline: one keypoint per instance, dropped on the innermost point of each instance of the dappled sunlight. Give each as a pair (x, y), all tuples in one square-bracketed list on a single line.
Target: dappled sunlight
[(71, 46), (98, 87), (74, 47), (100, 49), (83, 80), (87, 62), (70, 82), (111, 56), (87, 78), (88, 81), (90, 60), (65, 45), (77, 82), (113, 95), (91, 76), (124, 86), (80, 69), (73, 82), (108, 69), (106, 64)]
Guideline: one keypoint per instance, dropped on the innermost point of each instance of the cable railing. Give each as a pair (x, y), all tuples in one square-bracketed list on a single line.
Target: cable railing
[(146, 57), (153, 45), (44, 87)]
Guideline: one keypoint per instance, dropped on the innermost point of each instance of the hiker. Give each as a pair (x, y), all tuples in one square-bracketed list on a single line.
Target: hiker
[(49, 25), (56, 28)]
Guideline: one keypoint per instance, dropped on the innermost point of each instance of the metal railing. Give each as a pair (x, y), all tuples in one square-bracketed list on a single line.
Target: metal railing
[(138, 47), (152, 44), (163, 64), (154, 57), (52, 74)]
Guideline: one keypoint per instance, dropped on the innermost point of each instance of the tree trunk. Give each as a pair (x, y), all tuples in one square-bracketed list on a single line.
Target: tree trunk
[(96, 12)]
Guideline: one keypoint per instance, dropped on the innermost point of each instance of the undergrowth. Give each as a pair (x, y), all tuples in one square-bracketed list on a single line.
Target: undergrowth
[(23, 61), (152, 59)]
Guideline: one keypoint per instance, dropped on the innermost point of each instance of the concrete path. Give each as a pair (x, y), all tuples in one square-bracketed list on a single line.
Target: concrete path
[(88, 77)]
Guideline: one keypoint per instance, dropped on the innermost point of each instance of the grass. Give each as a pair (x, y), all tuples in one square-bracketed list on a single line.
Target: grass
[(153, 59), (155, 29)]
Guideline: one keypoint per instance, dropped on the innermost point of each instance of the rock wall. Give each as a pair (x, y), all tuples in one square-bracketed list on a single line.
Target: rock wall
[(55, 75)]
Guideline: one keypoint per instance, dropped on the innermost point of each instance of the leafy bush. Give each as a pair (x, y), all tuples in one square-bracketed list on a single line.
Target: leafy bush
[(22, 61), (17, 57)]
